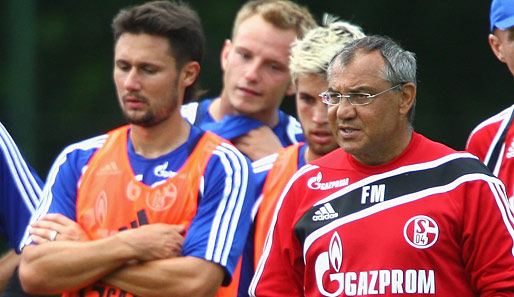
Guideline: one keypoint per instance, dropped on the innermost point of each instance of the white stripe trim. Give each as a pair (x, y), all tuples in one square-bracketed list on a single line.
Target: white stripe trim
[(28, 188), (256, 206), (499, 161), (228, 213), (293, 128), (239, 196), (264, 164), (495, 118), (220, 211), (269, 237), (229, 209), (504, 207), (496, 138), (397, 171), (400, 200)]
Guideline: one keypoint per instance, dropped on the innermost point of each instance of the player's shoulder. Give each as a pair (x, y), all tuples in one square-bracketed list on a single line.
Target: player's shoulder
[(8, 147), (493, 123), (190, 110), (4, 134), (92, 143), (80, 152), (225, 154)]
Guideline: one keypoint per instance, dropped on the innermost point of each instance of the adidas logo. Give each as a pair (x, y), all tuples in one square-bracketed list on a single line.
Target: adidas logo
[(326, 212), (109, 169), (510, 151)]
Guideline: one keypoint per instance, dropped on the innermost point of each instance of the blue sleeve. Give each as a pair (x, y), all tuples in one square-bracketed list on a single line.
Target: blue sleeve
[(21, 190), (60, 191), (219, 230), (61, 195)]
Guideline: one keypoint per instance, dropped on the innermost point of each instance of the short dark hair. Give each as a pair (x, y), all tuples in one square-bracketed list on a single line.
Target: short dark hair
[(175, 21)]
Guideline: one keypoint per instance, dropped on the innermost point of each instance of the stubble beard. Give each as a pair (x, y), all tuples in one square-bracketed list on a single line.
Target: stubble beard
[(152, 117), (322, 150)]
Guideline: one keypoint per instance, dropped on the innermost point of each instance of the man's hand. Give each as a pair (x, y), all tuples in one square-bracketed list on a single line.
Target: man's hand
[(258, 143), (66, 229), (8, 263), (154, 241), (150, 242)]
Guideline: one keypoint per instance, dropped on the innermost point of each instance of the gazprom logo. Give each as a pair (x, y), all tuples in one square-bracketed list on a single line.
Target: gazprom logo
[(161, 171), (316, 184)]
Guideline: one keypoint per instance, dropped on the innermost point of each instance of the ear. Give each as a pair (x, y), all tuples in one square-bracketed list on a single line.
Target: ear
[(408, 96), (224, 53), (189, 73), (496, 46)]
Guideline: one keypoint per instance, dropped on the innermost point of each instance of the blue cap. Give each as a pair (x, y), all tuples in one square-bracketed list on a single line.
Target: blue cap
[(502, 14)]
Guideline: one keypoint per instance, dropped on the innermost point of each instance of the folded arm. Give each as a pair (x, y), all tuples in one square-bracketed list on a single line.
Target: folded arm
[(182, 276), (8, 263), (53, 267)]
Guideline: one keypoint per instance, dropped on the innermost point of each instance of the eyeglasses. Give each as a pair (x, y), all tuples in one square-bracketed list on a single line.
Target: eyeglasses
[(334, 98)]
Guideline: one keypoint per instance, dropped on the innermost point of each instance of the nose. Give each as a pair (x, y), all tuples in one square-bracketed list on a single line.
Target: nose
[(132, 82), (252, 71), (345, 110), (320, 114)]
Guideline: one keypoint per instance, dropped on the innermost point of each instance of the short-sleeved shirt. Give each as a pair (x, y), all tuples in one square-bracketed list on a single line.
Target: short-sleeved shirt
[(227, 182)]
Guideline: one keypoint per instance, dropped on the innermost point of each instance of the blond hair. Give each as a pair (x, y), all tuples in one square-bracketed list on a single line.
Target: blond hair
[(282, 14), (312, 54)]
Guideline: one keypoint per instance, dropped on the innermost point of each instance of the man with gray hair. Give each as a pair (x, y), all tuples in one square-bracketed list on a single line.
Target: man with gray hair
[(391, 212)]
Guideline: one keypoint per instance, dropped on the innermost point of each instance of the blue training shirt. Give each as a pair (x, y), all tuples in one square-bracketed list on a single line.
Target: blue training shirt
[(288, 130), (227, 181)]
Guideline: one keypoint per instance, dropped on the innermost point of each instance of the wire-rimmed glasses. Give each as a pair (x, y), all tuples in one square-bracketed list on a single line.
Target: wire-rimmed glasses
[(334, 98)]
